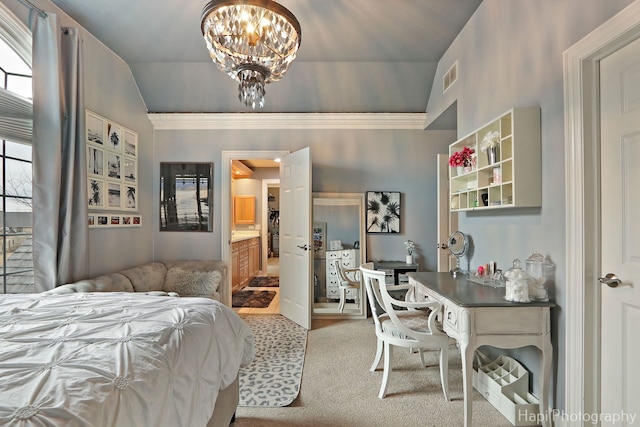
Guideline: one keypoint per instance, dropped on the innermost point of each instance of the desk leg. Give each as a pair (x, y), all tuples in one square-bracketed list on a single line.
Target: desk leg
[(547, 356), (466, 352)]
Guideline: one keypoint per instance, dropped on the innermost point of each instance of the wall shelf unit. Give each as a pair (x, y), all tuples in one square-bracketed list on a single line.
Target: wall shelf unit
[(514, 179)]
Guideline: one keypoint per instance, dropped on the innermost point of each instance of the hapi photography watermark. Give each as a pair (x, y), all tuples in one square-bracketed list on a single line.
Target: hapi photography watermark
[(557, 415)]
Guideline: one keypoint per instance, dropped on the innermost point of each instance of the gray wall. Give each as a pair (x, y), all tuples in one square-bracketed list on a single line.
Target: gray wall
[(111, 91), (344, 161), (510, 55)]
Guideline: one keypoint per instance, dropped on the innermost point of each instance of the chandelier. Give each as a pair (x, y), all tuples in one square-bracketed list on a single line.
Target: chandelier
[(253, 41)]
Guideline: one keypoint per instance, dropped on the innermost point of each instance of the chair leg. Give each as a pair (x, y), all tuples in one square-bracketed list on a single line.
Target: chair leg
[(342, 300), (444, 371), (376, 361), (421, 351), (388, 354)]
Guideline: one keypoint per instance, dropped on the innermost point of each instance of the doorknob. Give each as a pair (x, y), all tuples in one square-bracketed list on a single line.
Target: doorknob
[(610, 280), (304, 248)]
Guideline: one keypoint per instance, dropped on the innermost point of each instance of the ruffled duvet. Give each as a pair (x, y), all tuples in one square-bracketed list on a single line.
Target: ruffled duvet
[(116, 359)]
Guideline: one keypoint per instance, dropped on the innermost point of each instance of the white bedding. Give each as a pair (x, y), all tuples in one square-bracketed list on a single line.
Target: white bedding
[(116, 359)]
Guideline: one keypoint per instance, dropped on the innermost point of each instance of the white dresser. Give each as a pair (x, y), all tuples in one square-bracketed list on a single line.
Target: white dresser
[(350, 258)]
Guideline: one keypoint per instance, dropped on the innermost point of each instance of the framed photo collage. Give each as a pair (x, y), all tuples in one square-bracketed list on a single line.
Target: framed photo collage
[(112, 172)]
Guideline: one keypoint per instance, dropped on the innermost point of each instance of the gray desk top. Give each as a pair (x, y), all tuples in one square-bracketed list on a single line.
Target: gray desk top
[(397, 265), (468, 294)]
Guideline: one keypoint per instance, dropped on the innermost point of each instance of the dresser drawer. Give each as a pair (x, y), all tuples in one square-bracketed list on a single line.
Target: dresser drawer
[(333, 292), (351, 293), (452, 319), (333, 282)]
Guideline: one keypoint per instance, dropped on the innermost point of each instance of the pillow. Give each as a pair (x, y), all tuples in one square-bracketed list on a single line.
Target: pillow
[(189, 282)]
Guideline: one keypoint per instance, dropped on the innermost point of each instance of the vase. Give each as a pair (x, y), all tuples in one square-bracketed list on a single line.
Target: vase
[(467, 169), (492, 155), (459, 170), (409, 259)]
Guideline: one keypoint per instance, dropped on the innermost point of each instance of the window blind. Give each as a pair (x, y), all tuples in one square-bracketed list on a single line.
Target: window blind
[(16, 117)]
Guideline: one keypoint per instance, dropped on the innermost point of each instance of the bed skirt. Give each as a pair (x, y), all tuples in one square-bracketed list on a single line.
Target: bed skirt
[(226, 404)]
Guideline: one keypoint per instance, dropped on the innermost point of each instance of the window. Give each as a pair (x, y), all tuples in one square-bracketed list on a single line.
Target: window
[(16, 259)]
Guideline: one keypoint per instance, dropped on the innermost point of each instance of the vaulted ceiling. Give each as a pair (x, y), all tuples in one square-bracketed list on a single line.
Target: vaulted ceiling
[(356, 56)]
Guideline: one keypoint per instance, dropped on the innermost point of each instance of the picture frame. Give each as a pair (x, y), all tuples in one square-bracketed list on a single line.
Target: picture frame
[(319, 240), (130, 144), (383, 212), (113, 220), (186, 196), (130, 197), (130, 170), (114, 195), (114, 140), (95, 129), (114, 166), (95, 161), (96, 193)]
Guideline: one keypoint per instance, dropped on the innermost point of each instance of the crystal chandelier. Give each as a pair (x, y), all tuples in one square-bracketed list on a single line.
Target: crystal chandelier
[(253, 41)]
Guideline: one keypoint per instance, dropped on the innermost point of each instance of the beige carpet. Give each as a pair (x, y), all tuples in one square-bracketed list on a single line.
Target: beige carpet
[(338, 390)]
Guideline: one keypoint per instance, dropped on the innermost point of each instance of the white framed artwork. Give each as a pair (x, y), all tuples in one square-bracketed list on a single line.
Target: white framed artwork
[(112, 166)]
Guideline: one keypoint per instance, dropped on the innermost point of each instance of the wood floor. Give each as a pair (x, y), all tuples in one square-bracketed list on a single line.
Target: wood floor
[(273, 269)]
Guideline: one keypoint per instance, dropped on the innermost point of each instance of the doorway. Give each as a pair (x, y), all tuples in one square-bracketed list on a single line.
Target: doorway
[(582, 142), (255, 287), (295, 230), (229, 231), (271, 230), (267, 280)]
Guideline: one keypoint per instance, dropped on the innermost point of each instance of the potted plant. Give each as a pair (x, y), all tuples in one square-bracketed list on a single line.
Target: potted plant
[(462, 160), (489, 144), (410, 245)]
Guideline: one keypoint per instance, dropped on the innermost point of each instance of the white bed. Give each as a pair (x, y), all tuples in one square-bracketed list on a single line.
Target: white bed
[(118, 359)]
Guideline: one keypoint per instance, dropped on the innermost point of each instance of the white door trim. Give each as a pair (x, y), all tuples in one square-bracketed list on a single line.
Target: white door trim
[(226, 206), (582, 130)]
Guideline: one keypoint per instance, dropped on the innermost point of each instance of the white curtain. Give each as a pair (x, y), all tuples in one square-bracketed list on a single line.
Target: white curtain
[(60, 232)]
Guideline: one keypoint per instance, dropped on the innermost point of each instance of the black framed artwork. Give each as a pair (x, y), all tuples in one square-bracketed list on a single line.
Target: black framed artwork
[(383, 211), (186, 196)]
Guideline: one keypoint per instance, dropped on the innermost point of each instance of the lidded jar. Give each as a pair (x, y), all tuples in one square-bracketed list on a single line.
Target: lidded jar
[(517, 283), (538, 269)]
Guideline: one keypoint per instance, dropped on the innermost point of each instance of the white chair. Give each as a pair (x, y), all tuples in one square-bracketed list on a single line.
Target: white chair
[(347, 282), (411, 328)]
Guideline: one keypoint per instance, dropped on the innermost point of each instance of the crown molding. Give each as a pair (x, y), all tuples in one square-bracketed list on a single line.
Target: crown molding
[(248, 121)]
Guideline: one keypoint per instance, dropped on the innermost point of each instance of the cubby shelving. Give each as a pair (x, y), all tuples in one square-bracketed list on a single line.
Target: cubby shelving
[(514, 179), (505, 384)]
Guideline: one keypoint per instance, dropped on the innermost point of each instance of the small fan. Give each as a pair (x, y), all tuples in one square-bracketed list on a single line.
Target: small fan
[(458, 244)]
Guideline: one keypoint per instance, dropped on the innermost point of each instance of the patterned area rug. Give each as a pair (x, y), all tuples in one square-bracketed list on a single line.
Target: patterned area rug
[(273, 378), (253, 299), (265, 282)]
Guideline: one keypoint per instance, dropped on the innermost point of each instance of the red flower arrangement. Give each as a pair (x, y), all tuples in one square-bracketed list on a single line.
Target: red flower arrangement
[(462, 158)]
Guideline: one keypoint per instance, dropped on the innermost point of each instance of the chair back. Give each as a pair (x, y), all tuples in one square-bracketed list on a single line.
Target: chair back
[(375, 284), (343, 274), (373, 279)]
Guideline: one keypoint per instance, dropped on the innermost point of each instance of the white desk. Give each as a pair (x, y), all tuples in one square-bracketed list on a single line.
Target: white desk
[(477, 315)]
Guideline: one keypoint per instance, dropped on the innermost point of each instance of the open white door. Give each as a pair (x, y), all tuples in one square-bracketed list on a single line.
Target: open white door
[(447, 220), (620, 209), (295, 237)]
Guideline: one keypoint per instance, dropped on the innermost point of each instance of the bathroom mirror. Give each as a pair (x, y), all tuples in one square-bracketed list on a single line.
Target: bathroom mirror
[(186, 196), (339, 235)]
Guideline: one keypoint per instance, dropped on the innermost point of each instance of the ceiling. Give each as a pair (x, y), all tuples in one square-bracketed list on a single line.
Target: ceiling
[(356, 56)]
